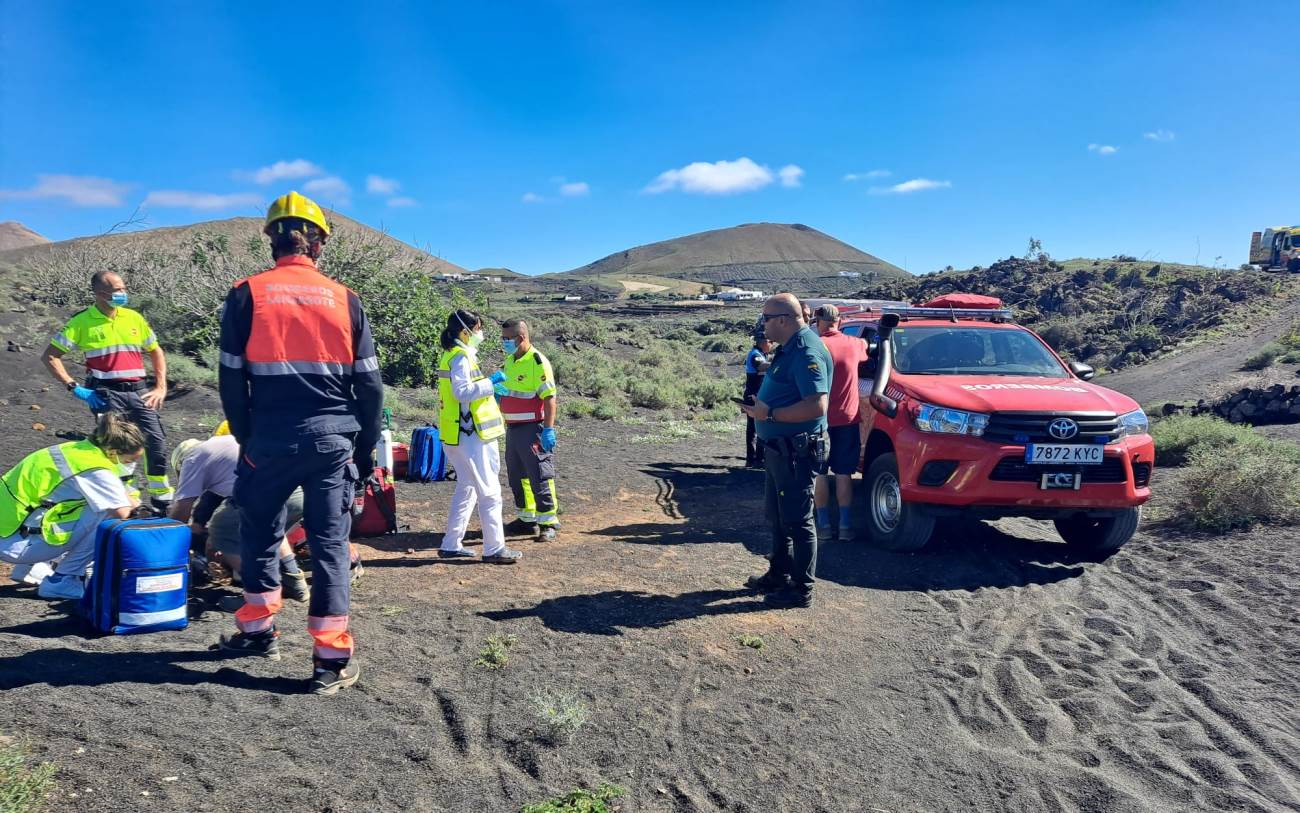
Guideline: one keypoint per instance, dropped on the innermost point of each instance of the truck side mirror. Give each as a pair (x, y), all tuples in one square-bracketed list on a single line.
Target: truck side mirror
[(1082, 371)]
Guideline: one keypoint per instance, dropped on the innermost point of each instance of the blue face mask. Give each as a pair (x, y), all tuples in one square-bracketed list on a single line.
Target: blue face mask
[(510, 346), (118, 298)]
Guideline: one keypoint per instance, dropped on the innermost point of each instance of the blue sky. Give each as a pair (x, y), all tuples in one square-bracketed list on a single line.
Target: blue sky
[(542, 136)]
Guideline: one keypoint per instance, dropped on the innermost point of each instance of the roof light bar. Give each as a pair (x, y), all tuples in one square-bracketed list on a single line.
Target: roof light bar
[(979, 314)]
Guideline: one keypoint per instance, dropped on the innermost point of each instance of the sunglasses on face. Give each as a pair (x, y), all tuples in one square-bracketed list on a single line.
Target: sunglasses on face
[(767, 317)]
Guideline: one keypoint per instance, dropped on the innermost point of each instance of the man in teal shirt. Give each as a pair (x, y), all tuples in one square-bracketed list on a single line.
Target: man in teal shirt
[(790, 416)]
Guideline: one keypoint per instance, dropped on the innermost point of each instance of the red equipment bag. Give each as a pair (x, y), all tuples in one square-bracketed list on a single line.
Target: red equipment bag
[(965, 301), (374, 510), (401, 457)]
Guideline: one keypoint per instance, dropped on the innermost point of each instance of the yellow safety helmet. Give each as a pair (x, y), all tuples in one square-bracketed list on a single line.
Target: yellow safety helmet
[(182, 453), (297, 206), (223, 428)]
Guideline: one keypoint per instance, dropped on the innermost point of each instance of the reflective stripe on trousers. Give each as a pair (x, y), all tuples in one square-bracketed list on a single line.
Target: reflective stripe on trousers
[(330, 637), (258, 612)]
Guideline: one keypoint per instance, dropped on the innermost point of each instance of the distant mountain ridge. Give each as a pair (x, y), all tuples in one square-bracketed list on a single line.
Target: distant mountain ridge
[(239, 230), (14, 235), (763, 255)]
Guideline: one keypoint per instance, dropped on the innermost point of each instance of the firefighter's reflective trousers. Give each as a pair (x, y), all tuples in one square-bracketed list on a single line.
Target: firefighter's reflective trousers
[(268, 472)]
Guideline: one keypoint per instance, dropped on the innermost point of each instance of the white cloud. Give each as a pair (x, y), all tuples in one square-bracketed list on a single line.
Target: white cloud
[(1103, 149), (79, 190), (379, 185), (402, 203), (719, 178), (909, 187), (282, 171), (867, 176), (532, 197), (332, 189), (168, 198), (791, 175), (576, 189), (1159, 135)]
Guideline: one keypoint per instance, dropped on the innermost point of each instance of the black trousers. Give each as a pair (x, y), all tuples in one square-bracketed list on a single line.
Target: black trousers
[(131, 406), (753, 446), (789, 499)]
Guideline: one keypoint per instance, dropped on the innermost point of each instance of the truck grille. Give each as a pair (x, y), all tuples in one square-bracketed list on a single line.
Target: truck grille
[(1031, 427), (1016, 470)]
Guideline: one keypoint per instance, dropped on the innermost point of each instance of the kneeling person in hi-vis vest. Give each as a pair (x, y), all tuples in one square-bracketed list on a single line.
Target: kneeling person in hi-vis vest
[(527, 397), (300, 387), (54, 499), (469, 424)]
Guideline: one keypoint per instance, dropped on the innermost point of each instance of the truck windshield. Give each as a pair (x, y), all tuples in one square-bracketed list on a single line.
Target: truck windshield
[(961, 350)]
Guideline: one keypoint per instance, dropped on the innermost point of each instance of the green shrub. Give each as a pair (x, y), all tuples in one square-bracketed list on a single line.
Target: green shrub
[(725, 344), (577, 408), (579, 801), (1255, 483), (655, 394), (708, 392), (23, 787), (184, 370), (561, 714), (1264, 357), (496, 651), (1179, 436), (609, 407)]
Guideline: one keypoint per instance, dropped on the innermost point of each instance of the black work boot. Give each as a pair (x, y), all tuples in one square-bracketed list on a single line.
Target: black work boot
[(262, 644), (330, 676), (767, 582), (521, 527), (789, 598)]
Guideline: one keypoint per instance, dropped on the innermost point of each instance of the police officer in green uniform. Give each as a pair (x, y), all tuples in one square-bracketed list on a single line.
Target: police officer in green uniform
[(790, 416)]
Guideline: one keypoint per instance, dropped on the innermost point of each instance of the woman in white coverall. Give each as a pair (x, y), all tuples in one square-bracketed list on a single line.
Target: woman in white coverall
[(469, 424)]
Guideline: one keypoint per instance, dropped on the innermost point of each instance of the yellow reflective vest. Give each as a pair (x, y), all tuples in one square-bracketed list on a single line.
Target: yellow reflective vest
[(529, 381), (481, 417), (26, 488)]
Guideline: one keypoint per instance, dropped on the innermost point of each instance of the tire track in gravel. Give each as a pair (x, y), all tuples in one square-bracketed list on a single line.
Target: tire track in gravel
[(1140, 681)]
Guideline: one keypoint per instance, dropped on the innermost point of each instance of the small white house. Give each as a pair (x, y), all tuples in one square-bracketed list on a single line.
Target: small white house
[(737, 295)]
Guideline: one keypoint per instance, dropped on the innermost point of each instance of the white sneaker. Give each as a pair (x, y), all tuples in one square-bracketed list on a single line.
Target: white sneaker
[(31, 574), (60, 586)]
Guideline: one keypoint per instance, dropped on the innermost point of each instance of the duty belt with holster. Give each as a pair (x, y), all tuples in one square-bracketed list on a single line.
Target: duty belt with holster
[(813, 446)]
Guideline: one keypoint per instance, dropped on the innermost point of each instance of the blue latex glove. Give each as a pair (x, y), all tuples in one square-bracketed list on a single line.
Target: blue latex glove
[(91, 398), (548, 438), (500, 390), (498, 377)]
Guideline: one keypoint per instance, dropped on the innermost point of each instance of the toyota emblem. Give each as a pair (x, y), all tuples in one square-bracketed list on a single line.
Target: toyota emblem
[(1063, 429)]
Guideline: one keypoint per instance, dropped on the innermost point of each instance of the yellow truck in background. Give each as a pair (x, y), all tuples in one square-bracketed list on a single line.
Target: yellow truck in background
[(1276, 249)]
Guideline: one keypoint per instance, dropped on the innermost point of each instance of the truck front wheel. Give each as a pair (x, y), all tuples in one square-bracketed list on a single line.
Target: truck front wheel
[(1099, 535), (894, 523)]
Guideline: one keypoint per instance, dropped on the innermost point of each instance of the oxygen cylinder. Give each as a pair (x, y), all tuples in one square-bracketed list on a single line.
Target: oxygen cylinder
[(385, 447)]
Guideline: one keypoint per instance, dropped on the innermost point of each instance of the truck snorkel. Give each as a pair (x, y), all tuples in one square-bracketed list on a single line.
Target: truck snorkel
[(885, 364)]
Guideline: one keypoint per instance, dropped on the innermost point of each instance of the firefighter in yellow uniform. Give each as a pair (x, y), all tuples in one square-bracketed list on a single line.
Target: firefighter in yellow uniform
[(528, 405), (115, 340)]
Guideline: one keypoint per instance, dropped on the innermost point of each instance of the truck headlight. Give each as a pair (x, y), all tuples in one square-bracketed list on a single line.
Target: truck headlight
[(930, 418), (1133, 423)]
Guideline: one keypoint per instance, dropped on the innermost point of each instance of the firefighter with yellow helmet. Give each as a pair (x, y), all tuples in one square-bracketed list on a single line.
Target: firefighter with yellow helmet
[(300, 386)]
